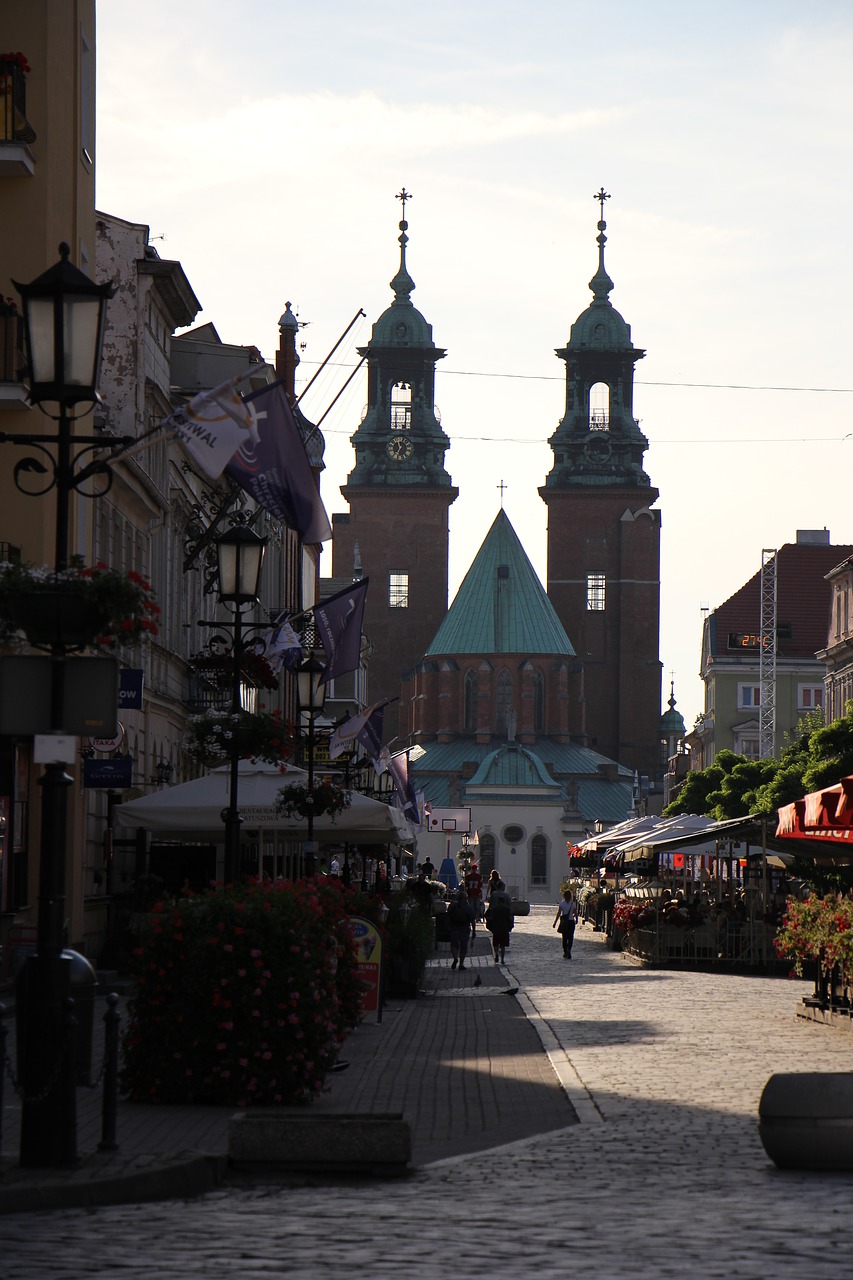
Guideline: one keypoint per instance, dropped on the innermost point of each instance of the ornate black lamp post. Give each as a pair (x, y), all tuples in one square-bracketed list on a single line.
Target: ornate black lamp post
[(64, 313), (311, 695), (240, 554)]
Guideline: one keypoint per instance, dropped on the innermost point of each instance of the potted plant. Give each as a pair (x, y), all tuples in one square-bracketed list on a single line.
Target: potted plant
[(75, 607), (262, 735), (325, 796)]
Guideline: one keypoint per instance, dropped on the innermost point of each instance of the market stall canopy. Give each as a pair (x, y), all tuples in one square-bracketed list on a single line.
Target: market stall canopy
[(197, 807)]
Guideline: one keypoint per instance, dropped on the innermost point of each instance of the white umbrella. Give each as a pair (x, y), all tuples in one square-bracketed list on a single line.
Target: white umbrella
[(197, 807)]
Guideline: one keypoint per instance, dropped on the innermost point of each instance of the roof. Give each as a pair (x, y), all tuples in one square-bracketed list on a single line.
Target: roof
[(501, 606), (513, 766), (803, 599)]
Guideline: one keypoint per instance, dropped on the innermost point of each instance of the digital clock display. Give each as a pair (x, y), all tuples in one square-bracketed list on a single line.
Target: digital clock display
[(744, 640)]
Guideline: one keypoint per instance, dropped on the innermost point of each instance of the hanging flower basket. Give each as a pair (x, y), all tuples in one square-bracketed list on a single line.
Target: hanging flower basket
[(299, 800), (263, 735), (77, 607)]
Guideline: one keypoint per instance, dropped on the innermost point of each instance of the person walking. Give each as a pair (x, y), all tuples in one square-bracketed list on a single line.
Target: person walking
[(566, 918), (474, 889), (499, 921), (460, 918)]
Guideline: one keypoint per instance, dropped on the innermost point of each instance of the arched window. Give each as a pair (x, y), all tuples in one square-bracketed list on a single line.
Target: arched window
[(538, 860), (487, 855), (599, 407), (401, 407), (503, 703), (471, 701), (538, 683)]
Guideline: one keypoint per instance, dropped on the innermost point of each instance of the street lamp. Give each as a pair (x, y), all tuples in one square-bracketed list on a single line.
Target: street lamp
[(240, 554), (311, 696), (64, 313)]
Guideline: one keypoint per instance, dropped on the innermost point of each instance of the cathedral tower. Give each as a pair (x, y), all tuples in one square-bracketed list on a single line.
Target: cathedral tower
[(399, 494), (604, 536)]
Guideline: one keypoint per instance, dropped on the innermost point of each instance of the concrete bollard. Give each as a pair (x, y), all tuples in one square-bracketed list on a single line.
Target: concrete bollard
[(806, 1120)]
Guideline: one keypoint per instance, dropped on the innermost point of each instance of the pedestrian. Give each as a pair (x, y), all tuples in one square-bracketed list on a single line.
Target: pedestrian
[(499, 919), (429, 869), (566, 918), (492, 883), (460, 917), (474, 890)]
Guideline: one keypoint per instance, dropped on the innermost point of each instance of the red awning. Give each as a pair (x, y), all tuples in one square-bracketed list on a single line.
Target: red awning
[(825, 815)]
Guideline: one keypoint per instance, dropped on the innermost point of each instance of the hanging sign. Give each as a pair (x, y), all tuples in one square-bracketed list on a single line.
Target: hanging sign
[(130, 689), (107, 745), (116, 775), (368, 946)]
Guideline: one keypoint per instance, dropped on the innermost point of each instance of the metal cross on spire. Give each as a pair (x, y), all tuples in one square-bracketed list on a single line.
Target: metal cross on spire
[(601, 196), (502, 488), (403, 195)]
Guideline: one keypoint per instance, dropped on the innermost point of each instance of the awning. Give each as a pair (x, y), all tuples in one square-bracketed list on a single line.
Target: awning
[(196, 807), (825, 816)]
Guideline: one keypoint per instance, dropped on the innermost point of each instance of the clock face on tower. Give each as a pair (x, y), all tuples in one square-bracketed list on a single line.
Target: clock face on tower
[(399, 448)]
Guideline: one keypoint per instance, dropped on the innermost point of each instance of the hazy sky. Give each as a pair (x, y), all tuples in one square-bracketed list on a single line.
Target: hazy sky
[(263, 143)]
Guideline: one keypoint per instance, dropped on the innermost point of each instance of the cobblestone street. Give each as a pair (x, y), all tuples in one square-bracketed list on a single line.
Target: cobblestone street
[(664, 1176)]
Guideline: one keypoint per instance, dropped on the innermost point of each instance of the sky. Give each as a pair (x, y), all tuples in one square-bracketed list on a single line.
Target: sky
[(264, 144)]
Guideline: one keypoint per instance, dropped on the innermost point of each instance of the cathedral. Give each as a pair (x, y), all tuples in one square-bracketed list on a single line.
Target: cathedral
[(537, 708)]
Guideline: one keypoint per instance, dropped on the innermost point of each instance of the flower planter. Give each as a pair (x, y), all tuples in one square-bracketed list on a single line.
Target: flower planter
[(58, 617)]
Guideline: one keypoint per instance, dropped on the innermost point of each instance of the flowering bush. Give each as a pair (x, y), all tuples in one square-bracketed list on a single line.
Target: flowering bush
[(122, 603), (261, 735), (818, 929), (19, 59), (627, 914), (243, 995), (300, 800)]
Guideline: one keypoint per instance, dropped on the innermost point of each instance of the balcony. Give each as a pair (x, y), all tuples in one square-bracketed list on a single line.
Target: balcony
[(16, 132)]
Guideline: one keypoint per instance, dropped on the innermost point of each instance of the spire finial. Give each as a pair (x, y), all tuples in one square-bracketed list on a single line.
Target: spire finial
[(601, 284), (403, 284), (502, 488)]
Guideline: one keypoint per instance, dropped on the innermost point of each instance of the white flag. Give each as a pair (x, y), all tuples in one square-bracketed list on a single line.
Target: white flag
[(345, 734), (214, 425)]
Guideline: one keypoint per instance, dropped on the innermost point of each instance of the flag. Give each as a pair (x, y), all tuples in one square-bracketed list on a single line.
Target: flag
[(370, 736), (283, 647), (351, 731), (338, 622), (398, 767), (273, 467), (213, 425)]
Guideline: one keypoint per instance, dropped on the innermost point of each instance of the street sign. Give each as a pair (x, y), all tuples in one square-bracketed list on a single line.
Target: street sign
[(115, 775)]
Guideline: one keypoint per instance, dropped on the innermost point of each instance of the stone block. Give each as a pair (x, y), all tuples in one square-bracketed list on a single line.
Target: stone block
[(301, 1140), (806, 1120)]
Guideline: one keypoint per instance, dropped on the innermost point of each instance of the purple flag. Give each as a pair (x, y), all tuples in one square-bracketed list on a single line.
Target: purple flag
[(275, 469), (398, 767), (338, 622), (370, 736)]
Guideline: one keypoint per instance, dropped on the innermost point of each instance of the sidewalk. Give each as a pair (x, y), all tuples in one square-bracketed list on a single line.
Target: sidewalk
[(409, 1063)]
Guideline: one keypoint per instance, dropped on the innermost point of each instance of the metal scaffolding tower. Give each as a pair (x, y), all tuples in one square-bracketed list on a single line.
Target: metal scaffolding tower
[(767, 657)]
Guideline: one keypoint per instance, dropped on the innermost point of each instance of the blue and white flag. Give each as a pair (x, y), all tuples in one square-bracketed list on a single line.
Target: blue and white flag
[(405, 797), (213, 425), (347, 734), (273, 467), (283, 647), (338, 623)]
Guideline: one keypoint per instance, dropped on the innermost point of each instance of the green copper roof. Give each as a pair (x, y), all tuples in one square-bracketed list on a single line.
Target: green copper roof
[(600, 326), (402, 325), (672, 721), (501, 606), (513, 766)]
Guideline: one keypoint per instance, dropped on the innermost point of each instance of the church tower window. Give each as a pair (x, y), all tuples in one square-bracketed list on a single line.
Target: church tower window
[(503, 702), (599, 407), (471, 702), (538, 683), (398, 590), (401, 407), (596, 592)]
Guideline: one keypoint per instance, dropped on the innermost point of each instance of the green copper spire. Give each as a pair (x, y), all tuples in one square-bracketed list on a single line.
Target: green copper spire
[(601, 284), (403, 284)]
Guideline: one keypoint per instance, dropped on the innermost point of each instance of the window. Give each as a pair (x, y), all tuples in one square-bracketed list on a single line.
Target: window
[(809, 696), (599, 407), (538, 702), (398, 590), (401, 407), (513, 834), (748, 695), (471, 701), (538, 860), (503, 703), (595, 592)]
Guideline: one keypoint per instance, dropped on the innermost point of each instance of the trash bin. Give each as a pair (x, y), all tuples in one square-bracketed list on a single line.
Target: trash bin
[(84, 985)]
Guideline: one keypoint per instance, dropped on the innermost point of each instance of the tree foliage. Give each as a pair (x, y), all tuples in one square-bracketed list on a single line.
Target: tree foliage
[(816, 755)]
